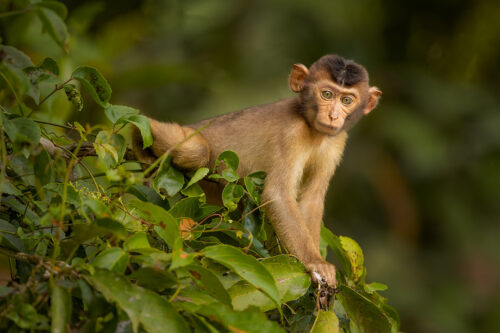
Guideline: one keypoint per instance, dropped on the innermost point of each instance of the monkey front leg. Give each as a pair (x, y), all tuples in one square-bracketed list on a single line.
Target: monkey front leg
[(311, 203), (288, 222)]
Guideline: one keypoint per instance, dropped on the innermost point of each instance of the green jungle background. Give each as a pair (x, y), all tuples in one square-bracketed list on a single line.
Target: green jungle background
[(419, 186)]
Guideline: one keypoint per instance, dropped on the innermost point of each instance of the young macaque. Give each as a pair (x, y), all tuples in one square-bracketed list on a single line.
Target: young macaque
[(297, 141)]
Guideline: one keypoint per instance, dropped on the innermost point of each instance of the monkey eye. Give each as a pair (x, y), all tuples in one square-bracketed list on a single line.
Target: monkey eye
[(346, 100), (327, 94)]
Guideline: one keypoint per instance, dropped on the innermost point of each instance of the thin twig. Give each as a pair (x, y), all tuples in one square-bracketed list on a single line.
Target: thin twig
[(57, 88), (256, 208)]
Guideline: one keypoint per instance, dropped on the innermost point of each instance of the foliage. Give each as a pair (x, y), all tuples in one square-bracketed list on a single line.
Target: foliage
[(93, 248)]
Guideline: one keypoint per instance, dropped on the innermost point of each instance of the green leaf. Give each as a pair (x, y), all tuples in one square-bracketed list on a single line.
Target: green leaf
[(167, 228), (23, 315), (97, 207), (326, 322), (209, 283), (198, 175), (60, 309), (249, 321), (354, 255), (44, 172), (139, 240), (112, 226), (334, 243), (72, 196), (143, 306), (56, 6), (95, 83), (187, 207), (154, 278), (230, 158), (290, 276), (46, 71), (54, 25), (22, 130), (74, 97), (249, 268), (231, 195), (15, 58), (168, 179), (374, 286), (142, 124), (115, 112), (364, 313), (146, 193), (254, 184), (110, 147), (114, 259), (8, 188), (194, 191)]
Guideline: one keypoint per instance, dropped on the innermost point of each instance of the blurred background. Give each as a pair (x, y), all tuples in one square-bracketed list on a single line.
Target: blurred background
[(419, 187)]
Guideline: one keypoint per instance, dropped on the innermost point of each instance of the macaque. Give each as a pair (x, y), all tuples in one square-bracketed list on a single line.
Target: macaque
[(297, 141)]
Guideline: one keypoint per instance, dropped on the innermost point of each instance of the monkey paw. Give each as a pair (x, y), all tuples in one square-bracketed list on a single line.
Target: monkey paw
[(322, 273)]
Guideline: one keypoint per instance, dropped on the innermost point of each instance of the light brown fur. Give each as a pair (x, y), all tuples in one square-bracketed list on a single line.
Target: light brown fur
[(289, 141)]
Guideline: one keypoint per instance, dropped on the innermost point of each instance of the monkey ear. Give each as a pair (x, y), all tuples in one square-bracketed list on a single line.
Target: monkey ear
[(373, 96), (297, 77)]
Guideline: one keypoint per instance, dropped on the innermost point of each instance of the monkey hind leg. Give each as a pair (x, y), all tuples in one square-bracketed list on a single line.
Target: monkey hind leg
[(192, 154)]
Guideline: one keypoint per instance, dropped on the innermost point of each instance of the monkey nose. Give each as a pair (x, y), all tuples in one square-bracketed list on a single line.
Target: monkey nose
[(333, 115)]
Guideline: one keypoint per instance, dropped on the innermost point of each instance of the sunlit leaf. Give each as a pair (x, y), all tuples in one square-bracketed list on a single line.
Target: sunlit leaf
[(334, 243), (374, 286), (249, 268), (354, 254), (326, 322), (291, 279)]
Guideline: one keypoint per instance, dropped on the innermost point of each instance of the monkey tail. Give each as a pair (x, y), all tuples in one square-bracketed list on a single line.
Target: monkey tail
[(192, 154)]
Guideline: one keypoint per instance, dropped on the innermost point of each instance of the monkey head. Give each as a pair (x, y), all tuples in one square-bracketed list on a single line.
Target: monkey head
[(334, 93)]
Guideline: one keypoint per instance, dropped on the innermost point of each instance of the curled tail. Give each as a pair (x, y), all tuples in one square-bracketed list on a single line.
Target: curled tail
[(192, 154)]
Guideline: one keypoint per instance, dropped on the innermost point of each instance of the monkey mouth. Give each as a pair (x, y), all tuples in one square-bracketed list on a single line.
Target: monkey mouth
[(329, 128)]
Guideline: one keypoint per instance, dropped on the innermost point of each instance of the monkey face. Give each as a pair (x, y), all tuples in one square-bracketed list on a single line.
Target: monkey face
[(334, 94), (334, 105)]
